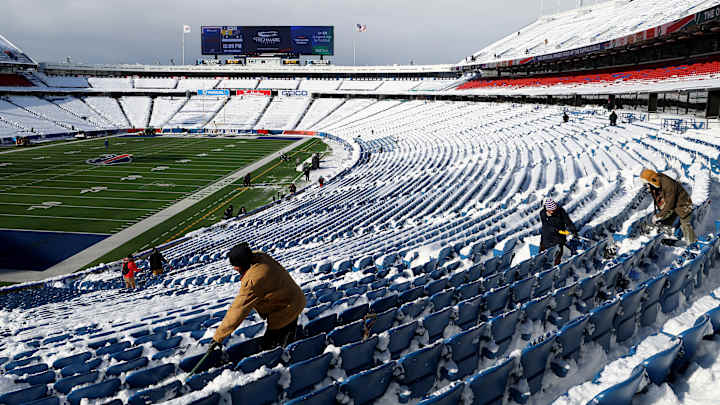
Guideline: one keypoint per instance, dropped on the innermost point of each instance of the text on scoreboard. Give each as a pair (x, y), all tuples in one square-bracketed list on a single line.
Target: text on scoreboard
[(252, 40)]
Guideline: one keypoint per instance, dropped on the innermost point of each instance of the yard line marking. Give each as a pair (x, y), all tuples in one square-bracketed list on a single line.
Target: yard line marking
[(109, 189), (85, 196), (85, 206), (54, 217)]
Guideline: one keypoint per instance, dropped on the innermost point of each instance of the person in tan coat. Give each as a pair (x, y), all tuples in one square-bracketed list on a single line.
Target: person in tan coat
[(267, 288), (671, 201)]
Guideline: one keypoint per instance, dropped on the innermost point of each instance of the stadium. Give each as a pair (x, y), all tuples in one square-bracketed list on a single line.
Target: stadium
[(412, 209)]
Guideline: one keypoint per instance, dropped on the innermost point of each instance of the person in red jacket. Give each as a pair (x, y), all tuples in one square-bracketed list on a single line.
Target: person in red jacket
[(129, 268)]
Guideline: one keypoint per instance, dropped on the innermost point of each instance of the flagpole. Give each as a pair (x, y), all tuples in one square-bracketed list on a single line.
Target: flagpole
[(183, 45), (353, 36)]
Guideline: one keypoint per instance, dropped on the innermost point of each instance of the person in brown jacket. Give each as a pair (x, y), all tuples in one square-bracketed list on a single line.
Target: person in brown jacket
[(671, 201), (267, 288)]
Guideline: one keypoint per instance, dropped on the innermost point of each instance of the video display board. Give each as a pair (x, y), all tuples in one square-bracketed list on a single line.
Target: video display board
[(253, 40)]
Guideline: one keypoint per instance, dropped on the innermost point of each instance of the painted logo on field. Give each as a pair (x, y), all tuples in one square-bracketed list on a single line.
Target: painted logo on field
[(111, 159)]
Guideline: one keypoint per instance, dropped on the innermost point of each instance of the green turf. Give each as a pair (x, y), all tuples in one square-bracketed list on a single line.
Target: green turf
[(170, 170), (210, 210)]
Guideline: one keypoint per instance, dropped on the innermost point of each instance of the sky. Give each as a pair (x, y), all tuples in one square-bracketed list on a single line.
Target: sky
[(149, 31)]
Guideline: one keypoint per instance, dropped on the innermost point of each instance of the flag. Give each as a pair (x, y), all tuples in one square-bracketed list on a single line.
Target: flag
[(360, 27), (186, 29)]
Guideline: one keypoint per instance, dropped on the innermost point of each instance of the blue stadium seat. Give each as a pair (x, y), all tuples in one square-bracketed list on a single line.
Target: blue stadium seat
[(412, 310), (651, 303), (100, 390), (521, 290), (376, 294), (113, 348), (563, 298), (658, 366), (20, 363), (450, 395), (419, 371), (411, 295), (436, 286), (149, 376), (626, 320), (464, 350), (45, 401), (33, 369), (270, 358), (545, 282), (496, 301), (602, 320), (323, 396), (65, 385), (691, 339), (570, 338), (23, 396), (212, 399), (364, 388), (167, 344), (436, 323), (66, 361), (80, 368), (400, 338), (264, 390), (469, 312), (442, 299), (586, 291), (381, 322), (127, 355), (469, 290), (347, 334), (383, 304), (47, 377), (491, 385), (353, 314), (320, 325), (621, 393), (357, 357), (306, 348), (150, 338), (250, 331), (537, 309), (534, 361), (670, 297), (200, 381), (156, 395), (239, 351), (305, 374), (502, 329), (120, 368)]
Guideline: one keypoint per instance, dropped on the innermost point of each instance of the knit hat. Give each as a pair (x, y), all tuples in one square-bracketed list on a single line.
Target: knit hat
[(241, 256), (550, 205), (650, 177)]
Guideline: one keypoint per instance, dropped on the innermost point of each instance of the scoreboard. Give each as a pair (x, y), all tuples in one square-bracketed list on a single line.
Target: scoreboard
[(253, 40)]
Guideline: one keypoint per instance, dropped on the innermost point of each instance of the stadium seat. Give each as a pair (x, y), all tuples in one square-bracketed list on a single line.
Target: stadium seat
[(381, 322), (357, 357), (305, 374), (464, 349), (80, 368), (570, 338), (502, 330), (264, 390), (347, 334), (149, 376), (65, 385), (270, 359), (201, 380), (601, 318), (534, 361), (419, 371), (66, 361), (364, 388), (626, 320), (235, 352), (651, 303), (156, 395), (95, 391), (469, 312), (451, 395), (658, 366), (323, 396), (24, 396), (491, 385), (400, 338), (621, 393), (691, 339), (120, 368), (306, 348)]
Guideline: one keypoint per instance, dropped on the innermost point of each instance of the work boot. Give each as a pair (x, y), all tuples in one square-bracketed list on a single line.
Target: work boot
[(687, 230)]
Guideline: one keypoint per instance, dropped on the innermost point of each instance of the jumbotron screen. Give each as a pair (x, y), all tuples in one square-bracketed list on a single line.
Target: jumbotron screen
[(253, 40)]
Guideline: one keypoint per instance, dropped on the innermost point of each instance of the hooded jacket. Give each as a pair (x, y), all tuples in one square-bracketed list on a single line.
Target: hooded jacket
[(268, 288), (156, 261), (552, 225), (668, 195)]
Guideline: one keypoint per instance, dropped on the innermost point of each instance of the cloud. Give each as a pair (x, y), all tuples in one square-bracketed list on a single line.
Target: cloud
[(148, 31)]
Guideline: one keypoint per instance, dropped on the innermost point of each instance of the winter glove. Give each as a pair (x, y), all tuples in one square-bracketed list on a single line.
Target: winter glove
[(217, 348)]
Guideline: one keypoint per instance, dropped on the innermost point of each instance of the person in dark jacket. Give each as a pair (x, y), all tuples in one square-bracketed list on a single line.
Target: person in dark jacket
[(247, 180), (267, 288), (613, 119), (671, 202), (228, 212), (156, 262), (293, 188), (129, 268), (556, 225), (566, 118), (306, 172)]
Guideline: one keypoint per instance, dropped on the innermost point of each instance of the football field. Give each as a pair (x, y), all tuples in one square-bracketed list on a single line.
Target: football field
[(56, 189)]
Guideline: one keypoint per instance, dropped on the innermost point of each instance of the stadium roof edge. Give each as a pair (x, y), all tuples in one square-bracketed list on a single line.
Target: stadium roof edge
[(31, 62), (254, 70)]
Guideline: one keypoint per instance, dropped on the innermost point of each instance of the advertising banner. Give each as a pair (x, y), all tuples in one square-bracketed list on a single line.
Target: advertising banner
[(294, 93), (253, 40), (213, 92), (253, 92)]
